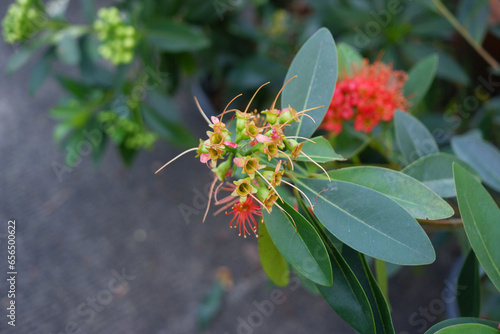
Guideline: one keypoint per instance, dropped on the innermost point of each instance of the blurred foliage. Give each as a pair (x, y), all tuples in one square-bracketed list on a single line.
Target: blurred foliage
[(130, 58)]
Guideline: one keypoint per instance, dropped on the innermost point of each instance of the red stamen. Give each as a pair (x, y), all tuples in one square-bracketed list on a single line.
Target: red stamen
[(244, 215)]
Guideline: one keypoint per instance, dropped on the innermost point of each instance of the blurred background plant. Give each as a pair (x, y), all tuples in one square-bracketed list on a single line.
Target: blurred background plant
[(130, 58)]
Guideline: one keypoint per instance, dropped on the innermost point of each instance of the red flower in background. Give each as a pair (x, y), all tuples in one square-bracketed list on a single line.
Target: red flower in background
[(370, 94)]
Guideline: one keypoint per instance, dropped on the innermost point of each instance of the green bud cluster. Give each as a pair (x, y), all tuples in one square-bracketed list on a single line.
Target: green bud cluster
[(24, 18), (118, 38), (123, 129)]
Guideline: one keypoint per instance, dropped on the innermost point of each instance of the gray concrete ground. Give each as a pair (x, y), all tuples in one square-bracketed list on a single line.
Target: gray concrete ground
[(76, 236)]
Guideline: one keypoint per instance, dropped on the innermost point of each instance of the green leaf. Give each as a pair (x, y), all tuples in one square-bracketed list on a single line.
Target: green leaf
[(368, 221), (61, 130), (469, 298), (457, 321), (173, 132), (273, 263), (347, 57), (436, 172), (78, 89), (413, 138), (68, 50), (303, 247), (127, 154), (171, 36), (413, 196), (320, 151), (24, 53), (448, 68), (346, 295), (307, 283), (88, 8), (481, 218), (420, 79), (468, 329), (72, 146), (480, 154), (316, 68), (350, 142), (211, 305), (378, 303), (41, 71), (473, 15)]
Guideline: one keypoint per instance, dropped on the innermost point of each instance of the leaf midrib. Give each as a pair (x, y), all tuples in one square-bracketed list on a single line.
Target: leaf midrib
[(310, 86), (481, 236), (362, 222)]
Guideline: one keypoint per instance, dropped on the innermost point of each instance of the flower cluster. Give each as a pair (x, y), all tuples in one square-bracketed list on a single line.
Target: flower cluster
[(369, 95), (118, 38), (127, 131), (23, 20), (254, 155)]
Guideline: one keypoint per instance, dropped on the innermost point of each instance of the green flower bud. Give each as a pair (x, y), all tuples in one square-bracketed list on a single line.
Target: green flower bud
[(223, 168), (271, 115), (262, 193)]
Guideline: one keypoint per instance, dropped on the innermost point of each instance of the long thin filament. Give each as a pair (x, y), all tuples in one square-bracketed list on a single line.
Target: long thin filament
[(276, 99), (180, 155), (254, 94), (317, 164), (201, 111)]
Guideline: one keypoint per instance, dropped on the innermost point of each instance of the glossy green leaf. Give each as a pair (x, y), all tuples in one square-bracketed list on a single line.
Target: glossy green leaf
[(173, 132), (474, 15), (432, 27), (368, 221), (303, 247), (457, 321), (416, 198), (307, 283), (378, 303), (71, 145), (468, 329), (25, 52), (346, 295), (61, 130), (68, 50), (315, 66), (320, 151), (481, 218), (273, 263), (448, 68), (413, 138), (420, 79), (78, 89), (350, 142), (171, 36), (41, 71), (347, 57), (127, 154), (211, 305), (480, 154), (88, 8), (436, 172), (469, 298)]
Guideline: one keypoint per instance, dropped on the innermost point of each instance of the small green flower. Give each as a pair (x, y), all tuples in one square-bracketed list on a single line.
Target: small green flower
[(24, 18), (118, 39), (125, 130)]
